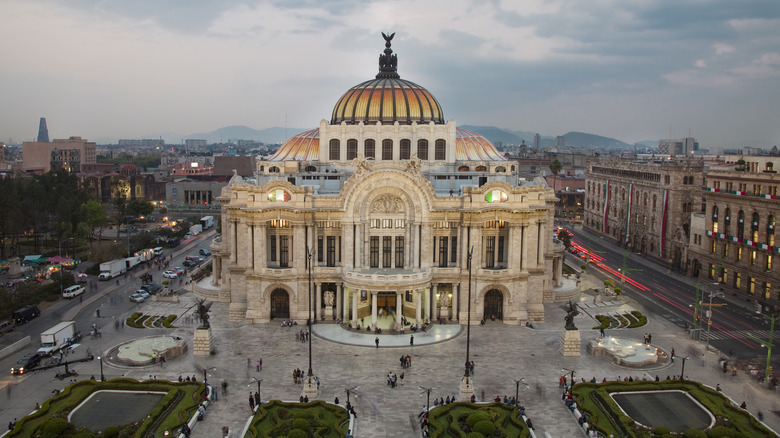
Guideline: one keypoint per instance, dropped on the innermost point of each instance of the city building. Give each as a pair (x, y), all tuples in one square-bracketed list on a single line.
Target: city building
[(386, 210), (644, 206), (734, 243), (684, 146), (43, 131), (37, 156)]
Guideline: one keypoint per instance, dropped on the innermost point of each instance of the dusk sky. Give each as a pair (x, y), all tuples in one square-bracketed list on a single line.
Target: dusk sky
[(633, 70)]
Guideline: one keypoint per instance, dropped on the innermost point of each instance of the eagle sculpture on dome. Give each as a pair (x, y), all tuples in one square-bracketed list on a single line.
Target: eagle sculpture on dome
[(388, 62)]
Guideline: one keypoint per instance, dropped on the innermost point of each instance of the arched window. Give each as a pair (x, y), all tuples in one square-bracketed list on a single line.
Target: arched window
[(273, 169), (644, 199), (369, 148), (727, 221), (463, 169), (310, 169), (481, 169), (440, 152), (715, 219), (654, 200), (500, 169), (741, 225), (422, 149), (387, 149), (335, 149), (406, 149), (754, 228), (351, 149)]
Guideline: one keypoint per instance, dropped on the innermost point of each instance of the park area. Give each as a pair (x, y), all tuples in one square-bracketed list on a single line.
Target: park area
[(299, 420), (648, 409), (117, 408), (471, 420)]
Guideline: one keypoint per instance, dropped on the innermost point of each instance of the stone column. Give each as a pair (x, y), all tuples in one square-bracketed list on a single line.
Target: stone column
[(427, 246), (339, 292), (418, 308), (260, 255), (373, 310), (347, 230), (456, 297), (354, 306), (515, 258), (524, 248), (398, 309), (559, 271), (246, 244), (297, 248), (434, 293)]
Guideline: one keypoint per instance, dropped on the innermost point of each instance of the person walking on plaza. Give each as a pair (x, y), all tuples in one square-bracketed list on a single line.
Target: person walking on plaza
[(257, 398), (251, 402), (411, 341), (376, 341)]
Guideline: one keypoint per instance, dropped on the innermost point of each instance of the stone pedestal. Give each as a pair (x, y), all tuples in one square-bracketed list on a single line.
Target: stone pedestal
[(14, 267), (310, 388), (202, 343), (466, 388), (570, 343), (328, 312)]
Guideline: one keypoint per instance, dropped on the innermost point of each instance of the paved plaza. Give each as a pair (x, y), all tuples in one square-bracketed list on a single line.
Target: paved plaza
[(346, 359)]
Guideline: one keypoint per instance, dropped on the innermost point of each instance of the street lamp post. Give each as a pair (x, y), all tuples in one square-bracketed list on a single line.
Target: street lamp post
[(682, 372), (102, 376), (205, 374), (310, 322), (350, 390), (710, 313), (572, 376), (259, 381), (428, 401), (466, 384), (59, 252), (517, 390)]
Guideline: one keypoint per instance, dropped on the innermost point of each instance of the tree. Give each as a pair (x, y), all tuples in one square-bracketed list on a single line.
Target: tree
[(95, 218), (555, 166), (139, 208), (565, 237)]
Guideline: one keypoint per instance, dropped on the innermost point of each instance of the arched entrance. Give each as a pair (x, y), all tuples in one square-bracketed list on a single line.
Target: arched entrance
[(494, 305), (280, 304)]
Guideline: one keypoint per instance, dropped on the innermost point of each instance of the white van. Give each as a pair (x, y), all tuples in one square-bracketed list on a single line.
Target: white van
[(158, 251), (73, 291)]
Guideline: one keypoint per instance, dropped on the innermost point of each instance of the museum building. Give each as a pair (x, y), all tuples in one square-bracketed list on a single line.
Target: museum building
[(386, 212)]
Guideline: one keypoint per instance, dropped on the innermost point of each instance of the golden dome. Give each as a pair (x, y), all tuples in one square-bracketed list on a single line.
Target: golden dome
[(387, 99)]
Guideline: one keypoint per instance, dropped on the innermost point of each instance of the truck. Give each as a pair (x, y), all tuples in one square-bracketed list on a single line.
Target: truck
[(109, 270), (145, 255), (132, 262), (57, 337), (196, 229), (207, 222)]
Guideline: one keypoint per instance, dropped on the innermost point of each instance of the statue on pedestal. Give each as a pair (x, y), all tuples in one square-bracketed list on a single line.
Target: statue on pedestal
[(203, 312), (571, 312)]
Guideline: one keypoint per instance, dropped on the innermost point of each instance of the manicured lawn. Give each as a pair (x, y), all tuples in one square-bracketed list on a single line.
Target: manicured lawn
[(471, 420), (175, 408), (299, 420), (605, 414)]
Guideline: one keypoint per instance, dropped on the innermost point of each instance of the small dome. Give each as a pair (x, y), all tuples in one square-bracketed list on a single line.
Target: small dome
[(387, 99)]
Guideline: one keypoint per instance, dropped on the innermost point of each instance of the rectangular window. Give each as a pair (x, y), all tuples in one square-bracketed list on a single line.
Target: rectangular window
[(273, 248), (335, 149), (443, 252), (369, 148), (422, 149), (768, 262), (725, 249), (737, 280), (331, 250), (399, 252), (339, 248), (500, 249), (351, 149), (713, 246), (739, 254), (490, 245), (767, 290), (387, 149), (712, 271), (374, 252), (320, 249), (387, 251), (454, 248), (284, 251), (752, 257), (751, 288), (440, 150), (405, 149)]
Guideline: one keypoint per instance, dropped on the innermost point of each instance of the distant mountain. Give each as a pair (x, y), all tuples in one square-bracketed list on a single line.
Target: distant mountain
[(585, 140), (495, 135)]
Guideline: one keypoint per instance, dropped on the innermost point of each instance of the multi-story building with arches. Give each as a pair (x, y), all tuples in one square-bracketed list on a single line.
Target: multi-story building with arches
[(386, 209)]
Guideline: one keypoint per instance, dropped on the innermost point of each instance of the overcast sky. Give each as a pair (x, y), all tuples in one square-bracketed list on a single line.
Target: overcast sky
[(633, 70)]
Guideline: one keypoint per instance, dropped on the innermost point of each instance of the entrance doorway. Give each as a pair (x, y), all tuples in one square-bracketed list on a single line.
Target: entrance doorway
[(494, 305), (280, 304), (386, 301)]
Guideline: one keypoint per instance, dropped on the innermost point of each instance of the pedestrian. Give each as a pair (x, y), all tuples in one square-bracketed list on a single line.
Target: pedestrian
[(248, 362), (260, 364), (257, 365), (376, 341), (649, 338), (251, 402), (349, 434), (257, 398), (224, 387), (672, 355), (411, 341), (601, 332)]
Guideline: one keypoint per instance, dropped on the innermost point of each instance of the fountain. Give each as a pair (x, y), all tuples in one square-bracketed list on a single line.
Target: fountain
[(624, 351)]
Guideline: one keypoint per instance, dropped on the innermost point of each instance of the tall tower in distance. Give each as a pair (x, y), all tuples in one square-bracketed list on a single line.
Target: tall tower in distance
[(43, 131)]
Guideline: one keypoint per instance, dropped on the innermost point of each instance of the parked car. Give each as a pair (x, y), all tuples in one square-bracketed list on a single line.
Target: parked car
[(189, 263), (170, 274), (204, 252), (143, 293), (7, 326), (178, 270), (152, 288), (26, 363), (137, 298)]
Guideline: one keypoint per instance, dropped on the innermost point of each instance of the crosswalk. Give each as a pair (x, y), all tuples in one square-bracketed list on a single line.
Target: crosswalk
[(749, 335)]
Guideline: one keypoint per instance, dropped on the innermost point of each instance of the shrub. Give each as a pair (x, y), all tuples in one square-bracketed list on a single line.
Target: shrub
[(297, 433), (475, 418), (694, 433), (485, 427), (618, 290), (607, 283), (475, 435), (84, 435), (111, 432), (660, 430), (302, 424), (721, 432), (56, 428)]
